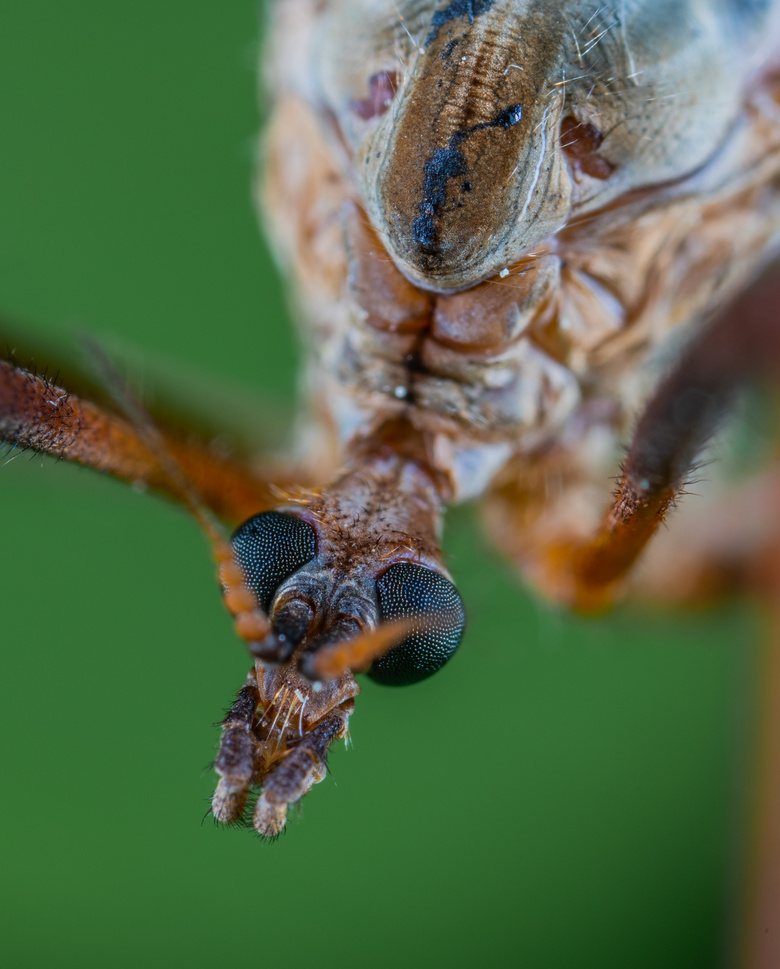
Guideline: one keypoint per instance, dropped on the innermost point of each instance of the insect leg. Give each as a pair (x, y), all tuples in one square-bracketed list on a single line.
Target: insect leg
[(715, 548), (235, 761), (36, 414), (682, 415)]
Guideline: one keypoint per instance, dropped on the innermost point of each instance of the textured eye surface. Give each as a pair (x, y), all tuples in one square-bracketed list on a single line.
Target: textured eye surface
[(409, 591), (269, 547)]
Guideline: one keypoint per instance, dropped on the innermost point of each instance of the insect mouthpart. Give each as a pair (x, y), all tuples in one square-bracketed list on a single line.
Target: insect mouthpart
[(322, 591), (275, 740)]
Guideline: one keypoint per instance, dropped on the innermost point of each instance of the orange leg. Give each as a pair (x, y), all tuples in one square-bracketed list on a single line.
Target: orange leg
[(38, 415), (743, 544), (682, 415)]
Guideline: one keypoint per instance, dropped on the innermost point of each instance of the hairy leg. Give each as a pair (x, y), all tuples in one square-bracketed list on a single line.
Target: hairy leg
[(686, 409), (38, 415), (237, 755), (739, 549)]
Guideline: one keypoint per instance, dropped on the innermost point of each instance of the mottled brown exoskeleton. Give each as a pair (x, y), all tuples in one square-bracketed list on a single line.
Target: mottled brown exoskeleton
[(494, 214)]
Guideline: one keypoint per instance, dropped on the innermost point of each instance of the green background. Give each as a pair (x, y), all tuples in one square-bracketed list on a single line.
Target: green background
[(566, 793)]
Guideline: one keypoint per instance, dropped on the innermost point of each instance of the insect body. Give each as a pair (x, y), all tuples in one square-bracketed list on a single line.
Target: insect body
[(493, 213)]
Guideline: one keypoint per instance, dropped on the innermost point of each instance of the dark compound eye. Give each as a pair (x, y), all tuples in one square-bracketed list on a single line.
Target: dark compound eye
[(269, 547), (409, 591)]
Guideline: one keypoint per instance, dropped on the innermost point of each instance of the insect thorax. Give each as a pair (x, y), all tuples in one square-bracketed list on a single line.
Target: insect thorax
[(552, 344)]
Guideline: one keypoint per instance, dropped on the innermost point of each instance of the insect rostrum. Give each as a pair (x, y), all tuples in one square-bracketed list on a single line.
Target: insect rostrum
[(492, 215)]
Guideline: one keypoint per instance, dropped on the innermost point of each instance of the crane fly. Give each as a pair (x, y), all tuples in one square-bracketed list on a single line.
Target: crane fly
[(494, 215)]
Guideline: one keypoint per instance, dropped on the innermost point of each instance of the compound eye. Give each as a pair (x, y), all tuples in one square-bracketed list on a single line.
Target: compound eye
[(269, 547), (409, 591)]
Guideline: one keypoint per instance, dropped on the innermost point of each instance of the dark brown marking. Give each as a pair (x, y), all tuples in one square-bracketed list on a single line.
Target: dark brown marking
[(447, 163), (437, 234), (458, 8), (449, 49)]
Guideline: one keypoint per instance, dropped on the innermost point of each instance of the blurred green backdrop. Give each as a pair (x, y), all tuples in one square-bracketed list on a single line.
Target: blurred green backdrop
[(565, 794)]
